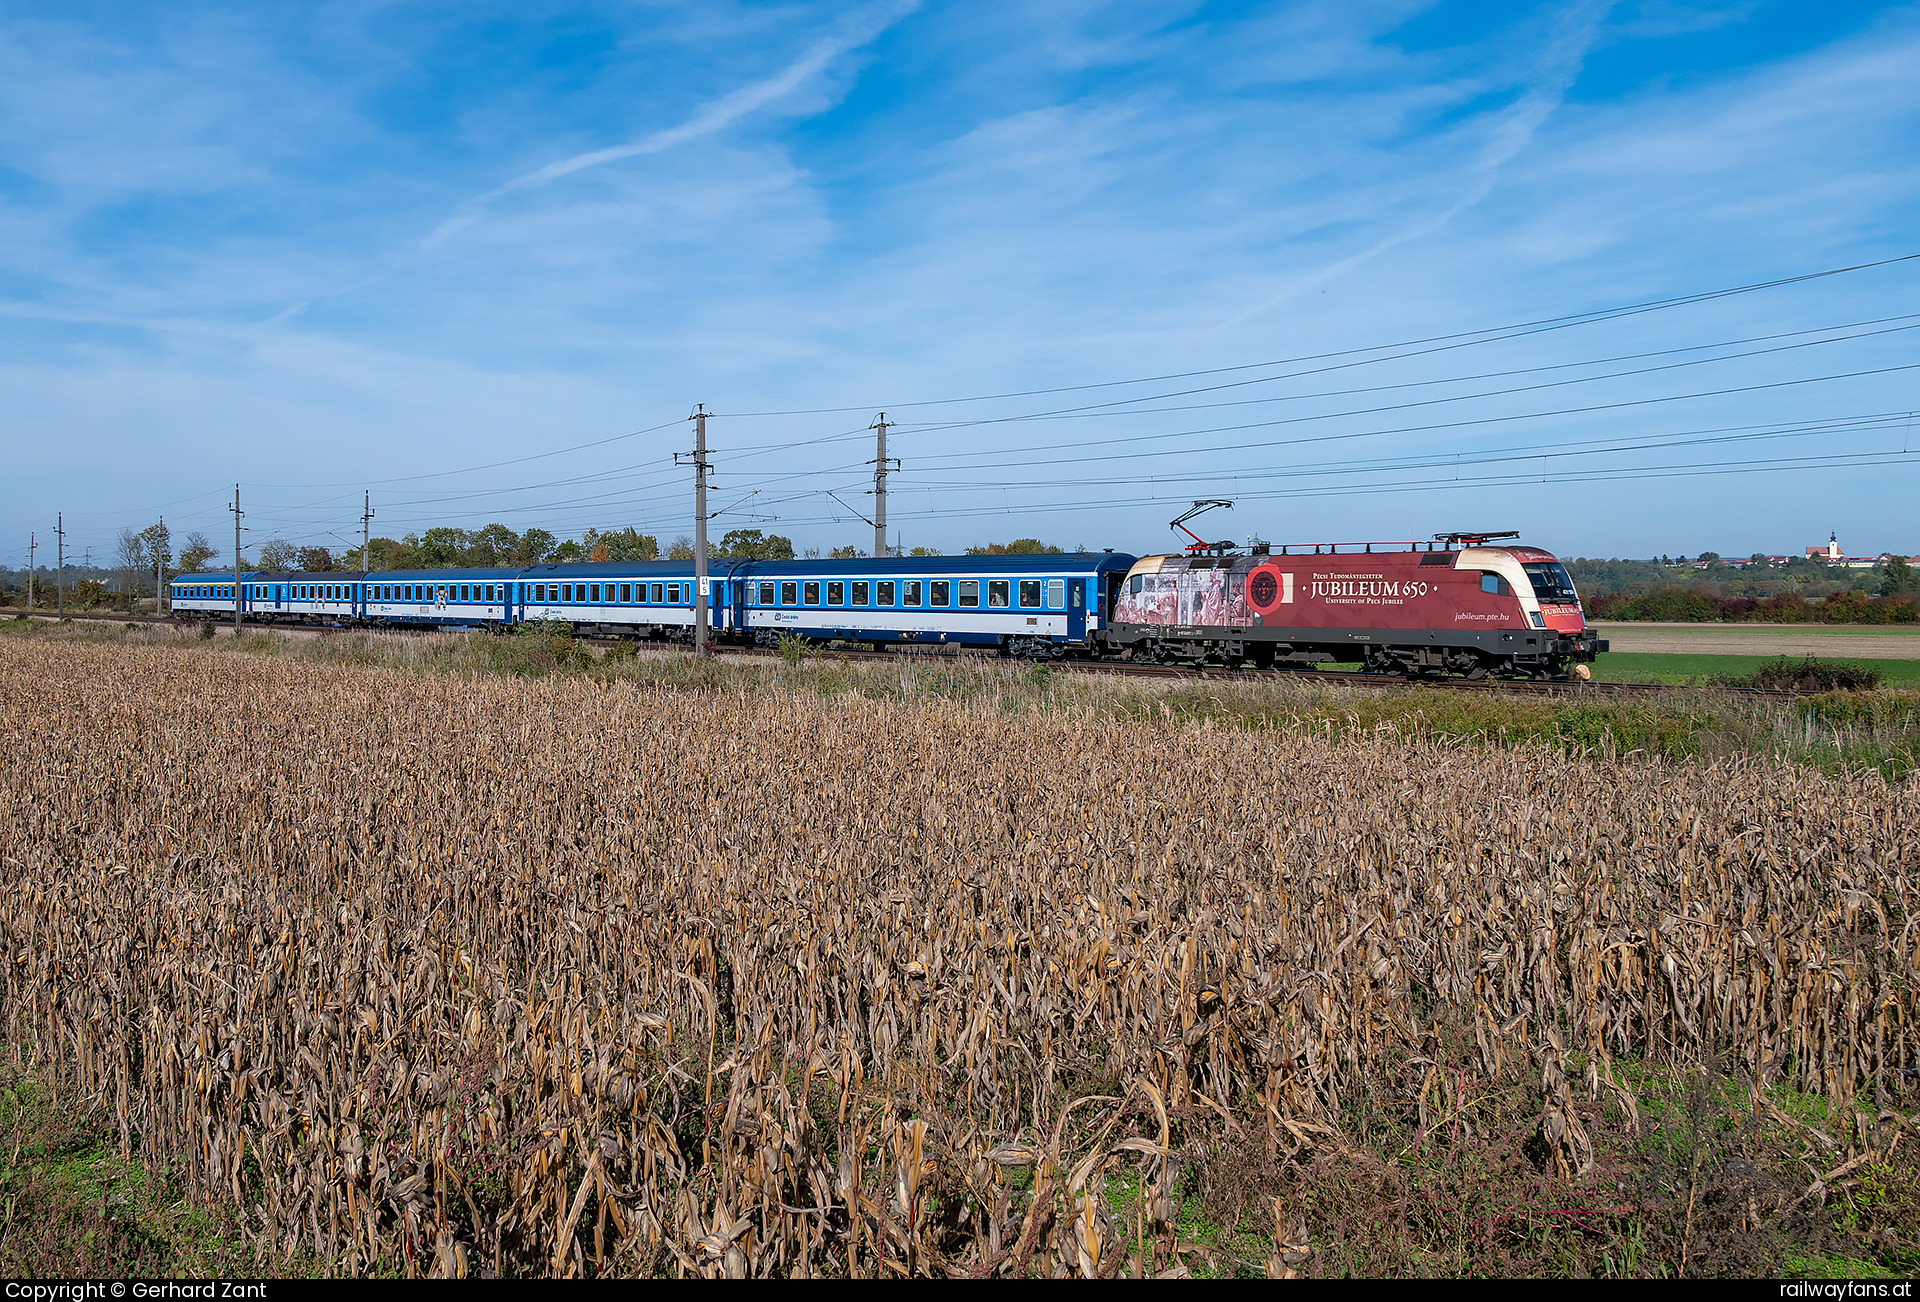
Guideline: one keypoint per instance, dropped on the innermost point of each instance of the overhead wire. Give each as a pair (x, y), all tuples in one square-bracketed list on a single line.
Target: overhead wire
[(1530, 327)]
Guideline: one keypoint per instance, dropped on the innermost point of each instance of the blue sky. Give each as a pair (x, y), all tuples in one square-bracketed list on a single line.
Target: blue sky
[(312, 249)]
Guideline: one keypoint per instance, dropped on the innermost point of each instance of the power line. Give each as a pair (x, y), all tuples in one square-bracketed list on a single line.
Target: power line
[(1111, 409), (491, 465), (1471, 338), (1831, 461), (1407, 429)]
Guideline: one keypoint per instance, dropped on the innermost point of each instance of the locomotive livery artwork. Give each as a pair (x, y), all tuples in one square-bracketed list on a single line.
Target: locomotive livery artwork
[(1452, 605)]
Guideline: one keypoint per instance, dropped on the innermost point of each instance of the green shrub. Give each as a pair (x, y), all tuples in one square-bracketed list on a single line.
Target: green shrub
[(1809, 675)]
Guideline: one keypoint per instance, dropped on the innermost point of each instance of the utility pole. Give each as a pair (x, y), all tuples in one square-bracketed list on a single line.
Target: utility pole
[(31, 540), (159, 564), (235, 508), (880, 467), (699, 464), (366, 545), (60, 564)]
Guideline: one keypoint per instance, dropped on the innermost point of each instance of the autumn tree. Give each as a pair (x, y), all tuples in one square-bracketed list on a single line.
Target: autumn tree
[(197, 553), (279, 554), (752, 545), (1018, 547)]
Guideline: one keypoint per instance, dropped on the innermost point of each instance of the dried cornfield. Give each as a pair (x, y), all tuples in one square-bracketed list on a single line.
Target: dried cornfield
[(468, 975)]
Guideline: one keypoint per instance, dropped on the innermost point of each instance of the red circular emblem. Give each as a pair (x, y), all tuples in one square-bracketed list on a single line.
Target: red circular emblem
[(1264, 588)]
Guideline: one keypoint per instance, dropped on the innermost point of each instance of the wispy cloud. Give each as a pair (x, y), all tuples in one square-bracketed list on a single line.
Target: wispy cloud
[(1554, 74), (850, 34)]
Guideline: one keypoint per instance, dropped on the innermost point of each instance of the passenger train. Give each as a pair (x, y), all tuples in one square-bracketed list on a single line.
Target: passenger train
[(1452, 605)]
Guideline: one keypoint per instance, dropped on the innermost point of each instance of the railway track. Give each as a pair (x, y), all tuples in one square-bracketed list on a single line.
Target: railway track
[(1115, 668), (1346, 678)]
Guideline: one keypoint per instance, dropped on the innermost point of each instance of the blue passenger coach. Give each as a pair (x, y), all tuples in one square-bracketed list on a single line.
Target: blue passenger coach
[(1050, 605), (1047, 605)]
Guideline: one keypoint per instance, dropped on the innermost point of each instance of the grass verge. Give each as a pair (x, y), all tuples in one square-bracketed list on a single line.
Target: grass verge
[(72, 1207), (1652, 667)]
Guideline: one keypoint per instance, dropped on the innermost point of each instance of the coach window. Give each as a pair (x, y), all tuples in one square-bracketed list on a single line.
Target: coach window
[(789, 594), (997, 593), (593, 592), (1056, 593), (626, 592), (1495, 584), (884, 595), (766, 594), (969, 592), (813, 592), (939, 592), (836, 594), (1029, 594), (859, 594), (673, 594)]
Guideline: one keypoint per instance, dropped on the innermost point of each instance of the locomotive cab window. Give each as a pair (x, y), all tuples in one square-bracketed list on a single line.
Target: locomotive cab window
[(1029, 594), (883, 595), (1551, 582), (813, 593), (1495, 584), (997, 593), (1135, 583)]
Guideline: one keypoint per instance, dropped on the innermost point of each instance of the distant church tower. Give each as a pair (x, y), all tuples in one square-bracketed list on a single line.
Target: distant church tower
[(1833, 546)]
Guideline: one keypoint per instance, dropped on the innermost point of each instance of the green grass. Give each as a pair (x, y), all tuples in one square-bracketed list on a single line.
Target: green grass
[(1655, 667), (72, 1207)]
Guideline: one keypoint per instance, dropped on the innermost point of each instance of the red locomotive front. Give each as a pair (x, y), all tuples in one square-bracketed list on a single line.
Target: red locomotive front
[(1471, 609)]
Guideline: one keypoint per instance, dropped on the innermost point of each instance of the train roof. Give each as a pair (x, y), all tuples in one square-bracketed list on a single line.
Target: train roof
[(722, 567), (881, 566)]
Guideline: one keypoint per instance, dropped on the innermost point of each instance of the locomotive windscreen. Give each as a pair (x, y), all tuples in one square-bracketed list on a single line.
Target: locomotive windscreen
[(1552, 585)]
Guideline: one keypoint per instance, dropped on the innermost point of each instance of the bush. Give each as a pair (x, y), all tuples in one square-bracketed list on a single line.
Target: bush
[(1809, 675)]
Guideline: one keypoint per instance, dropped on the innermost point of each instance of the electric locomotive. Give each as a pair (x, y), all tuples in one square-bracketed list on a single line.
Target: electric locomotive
[(1453, 605)]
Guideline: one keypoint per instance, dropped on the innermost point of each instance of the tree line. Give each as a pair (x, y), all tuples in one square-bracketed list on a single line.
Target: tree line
[(497, 546), (142, 555), (1896, 602)]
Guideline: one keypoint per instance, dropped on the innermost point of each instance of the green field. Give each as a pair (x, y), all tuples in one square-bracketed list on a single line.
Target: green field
[(1651, 667)]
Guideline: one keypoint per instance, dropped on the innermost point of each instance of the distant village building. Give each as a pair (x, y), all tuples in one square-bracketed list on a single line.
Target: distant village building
[(1832, 555)]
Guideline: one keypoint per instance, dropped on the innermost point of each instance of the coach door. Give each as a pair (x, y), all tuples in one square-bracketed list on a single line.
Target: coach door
[(1076, 610)]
